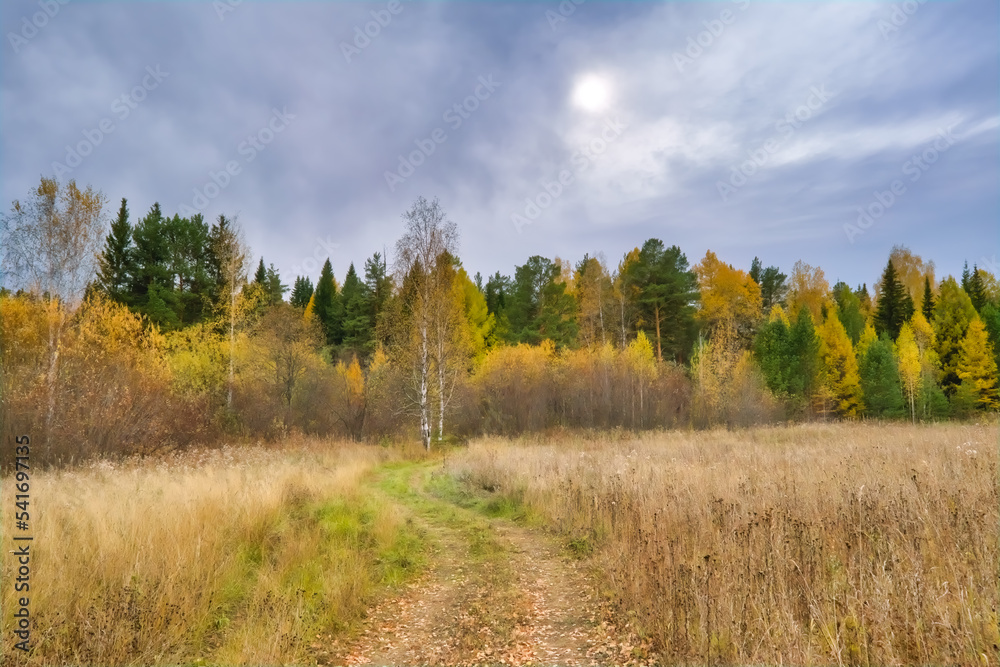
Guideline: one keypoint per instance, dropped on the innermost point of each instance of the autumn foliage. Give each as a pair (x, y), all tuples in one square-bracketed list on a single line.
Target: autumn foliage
[(175, 343)]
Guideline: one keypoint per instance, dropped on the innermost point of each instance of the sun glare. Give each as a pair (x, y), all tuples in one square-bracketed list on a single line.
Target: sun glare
[(592, 93)]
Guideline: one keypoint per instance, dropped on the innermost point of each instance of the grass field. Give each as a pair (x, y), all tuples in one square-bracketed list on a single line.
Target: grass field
[(807, 545), (234, 556), (815, 544)]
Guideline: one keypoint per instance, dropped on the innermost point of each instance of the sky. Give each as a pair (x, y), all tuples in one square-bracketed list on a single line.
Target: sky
[(813, 131)]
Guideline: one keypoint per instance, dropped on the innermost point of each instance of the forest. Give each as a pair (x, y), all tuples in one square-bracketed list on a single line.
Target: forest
[(125, 334)]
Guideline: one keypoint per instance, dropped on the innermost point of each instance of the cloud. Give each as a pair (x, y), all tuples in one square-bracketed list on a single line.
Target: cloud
[(324, 177)]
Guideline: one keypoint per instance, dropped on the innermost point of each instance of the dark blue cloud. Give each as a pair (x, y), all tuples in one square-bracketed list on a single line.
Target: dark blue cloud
[(698, 90)]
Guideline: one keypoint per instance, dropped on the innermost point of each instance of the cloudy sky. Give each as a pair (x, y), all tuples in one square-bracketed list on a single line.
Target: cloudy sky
[(826, 132)]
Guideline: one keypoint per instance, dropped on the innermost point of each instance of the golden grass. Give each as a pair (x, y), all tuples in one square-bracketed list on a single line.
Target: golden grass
[(234, 556), (814, 544)]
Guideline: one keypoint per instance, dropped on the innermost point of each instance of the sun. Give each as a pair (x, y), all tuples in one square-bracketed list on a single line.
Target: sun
[(592, 93)]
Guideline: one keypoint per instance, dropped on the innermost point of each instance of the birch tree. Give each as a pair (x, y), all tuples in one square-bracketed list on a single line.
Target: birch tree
[(232, 261), (428, 235), (50, 244)]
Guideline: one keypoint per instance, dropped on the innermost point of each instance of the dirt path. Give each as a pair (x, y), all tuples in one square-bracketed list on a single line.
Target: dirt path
[(494, 594)]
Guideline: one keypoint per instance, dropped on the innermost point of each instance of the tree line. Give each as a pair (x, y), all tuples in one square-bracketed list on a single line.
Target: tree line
[(417, 343)]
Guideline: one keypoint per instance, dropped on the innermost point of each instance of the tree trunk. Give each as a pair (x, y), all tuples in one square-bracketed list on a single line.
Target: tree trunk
[(232, 345), (659, 348), (55, 334), (441, 400), (425, 417)]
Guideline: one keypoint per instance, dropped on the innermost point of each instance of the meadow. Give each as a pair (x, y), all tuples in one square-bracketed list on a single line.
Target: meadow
[(238, 555), (814, 544), (840, 544)]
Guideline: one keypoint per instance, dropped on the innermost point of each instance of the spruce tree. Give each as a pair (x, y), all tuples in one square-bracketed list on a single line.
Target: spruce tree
[(977, 289), (379, 287), (260, 277), (803, 356), (272, 281), (864, 299), (771, 350), (301, 292), (115, 264), (328, 308), (153, 275), (927, 306), (358, 333), (895, 306), (849, 311), (880, 382)]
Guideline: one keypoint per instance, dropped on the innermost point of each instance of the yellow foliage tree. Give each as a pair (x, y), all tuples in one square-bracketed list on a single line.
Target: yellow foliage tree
[(197, 357), (839, 367), (350, 402), (977, 365), (310, 313), (868, 336), (807, 288), (778, 314), (909, 366), (640, 360), (911, 270), (729, 297), (480, 322)]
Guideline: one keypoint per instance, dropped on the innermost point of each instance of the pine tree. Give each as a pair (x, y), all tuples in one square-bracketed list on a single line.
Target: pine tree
[(927, 306), (665, 291), (880, 380), (839, 367), (115, 264), (895, 306), (301, 292), (772, 284), (977, 367)]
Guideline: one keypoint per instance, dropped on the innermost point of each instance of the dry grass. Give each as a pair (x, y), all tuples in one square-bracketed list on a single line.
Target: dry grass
[(234, 556), (814, 544)]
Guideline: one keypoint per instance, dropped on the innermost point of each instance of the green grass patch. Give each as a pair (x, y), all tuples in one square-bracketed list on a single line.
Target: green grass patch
[(492, 504)]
